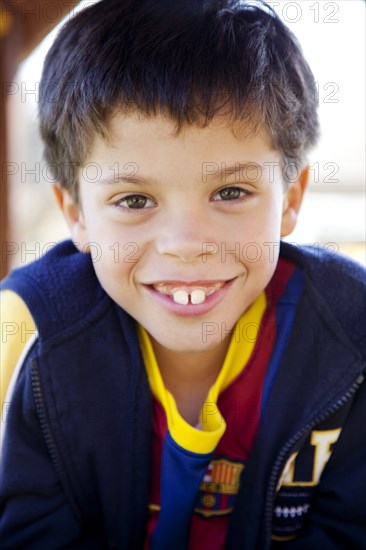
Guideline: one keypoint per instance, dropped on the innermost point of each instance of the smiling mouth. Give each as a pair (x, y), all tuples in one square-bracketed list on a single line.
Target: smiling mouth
[(183, 293)]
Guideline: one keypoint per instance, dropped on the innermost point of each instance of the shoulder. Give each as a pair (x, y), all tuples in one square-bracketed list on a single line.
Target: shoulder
[(63, 263), (336, 284), (18, 331), (322, 262), (60, 289)]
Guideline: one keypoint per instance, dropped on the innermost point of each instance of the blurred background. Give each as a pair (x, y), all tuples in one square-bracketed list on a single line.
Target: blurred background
[(332, 35)]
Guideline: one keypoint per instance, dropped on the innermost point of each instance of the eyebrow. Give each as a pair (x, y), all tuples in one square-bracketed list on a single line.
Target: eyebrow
[(218, 175), (125, 178), (233, 169)]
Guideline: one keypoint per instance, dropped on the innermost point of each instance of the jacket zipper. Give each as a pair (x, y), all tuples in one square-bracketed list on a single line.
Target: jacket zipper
[(47, 433), (279, 463)]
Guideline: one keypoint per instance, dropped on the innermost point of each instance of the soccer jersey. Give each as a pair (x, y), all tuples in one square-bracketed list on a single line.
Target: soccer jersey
[(196, 470)]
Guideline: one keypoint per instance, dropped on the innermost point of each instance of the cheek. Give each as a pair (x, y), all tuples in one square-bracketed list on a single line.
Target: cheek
[(117, 258), (114, 275), (268, 221), (260, 227), (260, 243), (112, 242)]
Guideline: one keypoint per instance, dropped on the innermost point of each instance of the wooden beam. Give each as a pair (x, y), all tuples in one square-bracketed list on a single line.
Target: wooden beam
[(23, 25)]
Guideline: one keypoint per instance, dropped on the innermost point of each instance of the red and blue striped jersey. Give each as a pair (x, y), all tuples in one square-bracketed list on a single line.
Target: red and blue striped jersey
[(196, 470)]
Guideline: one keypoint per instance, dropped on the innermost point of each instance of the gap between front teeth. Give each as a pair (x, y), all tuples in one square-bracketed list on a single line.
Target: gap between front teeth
[(182, 297)]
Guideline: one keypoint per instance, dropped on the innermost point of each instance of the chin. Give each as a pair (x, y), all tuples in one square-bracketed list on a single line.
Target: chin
[(191, 345)]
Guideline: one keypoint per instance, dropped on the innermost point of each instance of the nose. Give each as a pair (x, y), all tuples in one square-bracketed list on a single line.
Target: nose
[(186, 235)]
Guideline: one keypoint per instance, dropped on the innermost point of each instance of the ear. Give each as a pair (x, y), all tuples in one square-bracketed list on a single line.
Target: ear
[(74, 218), (292, 202)]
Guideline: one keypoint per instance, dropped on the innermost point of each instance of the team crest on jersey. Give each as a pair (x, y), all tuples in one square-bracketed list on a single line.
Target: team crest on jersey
[(219, 488)]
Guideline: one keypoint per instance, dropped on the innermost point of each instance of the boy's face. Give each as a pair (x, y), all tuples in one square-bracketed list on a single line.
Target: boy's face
[(194, 217)]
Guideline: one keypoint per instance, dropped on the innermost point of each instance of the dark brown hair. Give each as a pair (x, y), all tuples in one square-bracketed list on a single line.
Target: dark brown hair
[(189, 59)]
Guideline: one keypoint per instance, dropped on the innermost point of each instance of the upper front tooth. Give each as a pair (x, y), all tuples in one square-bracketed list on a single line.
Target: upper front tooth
[(198, 296), (180, 297)]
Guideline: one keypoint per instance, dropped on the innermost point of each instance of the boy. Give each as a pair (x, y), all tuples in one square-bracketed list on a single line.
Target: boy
[(190, 382)]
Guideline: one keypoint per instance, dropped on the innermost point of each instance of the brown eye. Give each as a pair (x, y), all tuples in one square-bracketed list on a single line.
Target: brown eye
[(230, 193), (134, 202)]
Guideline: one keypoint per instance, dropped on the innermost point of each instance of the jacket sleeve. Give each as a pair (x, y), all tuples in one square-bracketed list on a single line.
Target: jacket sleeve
[(337, 519), (34, 512), (17, 328)]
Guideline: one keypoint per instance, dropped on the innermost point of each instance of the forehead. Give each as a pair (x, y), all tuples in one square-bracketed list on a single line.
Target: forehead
[(155, 145)]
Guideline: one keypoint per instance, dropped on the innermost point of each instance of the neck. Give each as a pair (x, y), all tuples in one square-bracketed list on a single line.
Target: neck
[(189, 376)]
